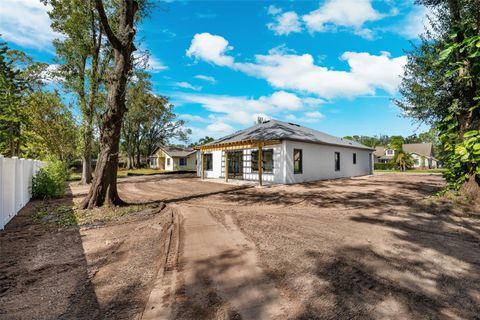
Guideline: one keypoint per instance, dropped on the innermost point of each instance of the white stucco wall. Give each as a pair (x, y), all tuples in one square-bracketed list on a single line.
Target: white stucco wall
[(216, 171), (318, 163)]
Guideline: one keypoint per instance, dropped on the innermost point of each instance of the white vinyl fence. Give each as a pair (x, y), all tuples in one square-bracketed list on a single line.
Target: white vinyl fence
[(15, 185)]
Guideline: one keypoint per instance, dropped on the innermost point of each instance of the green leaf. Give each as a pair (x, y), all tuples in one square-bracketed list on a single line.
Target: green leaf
[(445, 53), (471, 133), (475, 54), (451, 72)]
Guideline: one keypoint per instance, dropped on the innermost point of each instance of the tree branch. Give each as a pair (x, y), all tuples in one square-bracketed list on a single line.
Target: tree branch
[(106, 26)]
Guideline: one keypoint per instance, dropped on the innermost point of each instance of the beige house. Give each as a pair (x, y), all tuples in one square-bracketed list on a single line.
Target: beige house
[(422, 154), (173, 159)]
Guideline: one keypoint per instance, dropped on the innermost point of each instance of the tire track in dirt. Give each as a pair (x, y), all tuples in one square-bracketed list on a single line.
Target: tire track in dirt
[(219, 276)]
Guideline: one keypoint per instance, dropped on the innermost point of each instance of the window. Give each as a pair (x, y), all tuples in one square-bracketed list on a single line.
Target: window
[(389, 152), (354, 158), (297, 161), (183, 161), (168, 161), (208, 161), (267, 160), (337, 161)]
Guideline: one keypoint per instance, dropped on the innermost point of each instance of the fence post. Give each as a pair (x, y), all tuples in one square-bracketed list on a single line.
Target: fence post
[(12, 185), (21, 185), (2, 200), (29, 177)]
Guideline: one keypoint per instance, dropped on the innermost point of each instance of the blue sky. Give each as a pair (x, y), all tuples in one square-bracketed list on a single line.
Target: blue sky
[(332, 65)]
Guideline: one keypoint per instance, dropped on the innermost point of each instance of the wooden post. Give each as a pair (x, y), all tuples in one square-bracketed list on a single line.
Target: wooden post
[(226, 166), (203, 165), (260, 164)]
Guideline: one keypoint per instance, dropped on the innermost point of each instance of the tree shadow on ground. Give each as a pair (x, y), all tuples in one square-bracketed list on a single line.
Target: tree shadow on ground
[(326, 194), (431, 272), (44, 271), (364, 284), (50, 268), (199, 297)]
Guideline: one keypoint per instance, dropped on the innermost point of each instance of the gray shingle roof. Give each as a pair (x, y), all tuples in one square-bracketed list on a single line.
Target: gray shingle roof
[(279, 130), (423, 149), (176, 151)]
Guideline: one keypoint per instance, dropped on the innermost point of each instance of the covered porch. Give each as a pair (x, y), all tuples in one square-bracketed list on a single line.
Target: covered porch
[(157, 162), (233, 157)]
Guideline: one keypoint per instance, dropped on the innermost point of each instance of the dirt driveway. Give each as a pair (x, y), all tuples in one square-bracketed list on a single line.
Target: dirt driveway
[(364, 248)]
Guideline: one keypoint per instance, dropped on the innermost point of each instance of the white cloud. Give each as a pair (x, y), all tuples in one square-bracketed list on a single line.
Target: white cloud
[(209, 79), (285, 23), (313, 115), (307, 117), (187, 85), (26, 23), (415, 23), (285, 70), (210, 48), (244, 110), (272, 10), (220, 127), (155, 65), (191, 117), (284, 100), (51, 74), (144, 58), (342, 13)]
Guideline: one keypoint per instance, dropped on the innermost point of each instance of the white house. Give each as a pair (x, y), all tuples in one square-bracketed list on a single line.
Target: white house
[(422, 154), (284, 153), (171, 158)]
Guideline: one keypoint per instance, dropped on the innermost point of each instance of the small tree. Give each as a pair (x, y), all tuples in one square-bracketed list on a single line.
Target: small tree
[(402, 160), (49, 182)]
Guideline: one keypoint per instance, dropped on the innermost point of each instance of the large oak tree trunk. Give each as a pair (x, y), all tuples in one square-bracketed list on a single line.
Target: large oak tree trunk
[(103, 190)]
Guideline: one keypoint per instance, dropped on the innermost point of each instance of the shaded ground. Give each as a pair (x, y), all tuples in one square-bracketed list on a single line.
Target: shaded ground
[(363, 248)]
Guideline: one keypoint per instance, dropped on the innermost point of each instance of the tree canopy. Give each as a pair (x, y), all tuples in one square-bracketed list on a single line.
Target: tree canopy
[(441, 87)]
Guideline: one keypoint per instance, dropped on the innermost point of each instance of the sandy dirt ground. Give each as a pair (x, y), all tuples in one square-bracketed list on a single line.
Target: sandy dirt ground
[(363, 248)]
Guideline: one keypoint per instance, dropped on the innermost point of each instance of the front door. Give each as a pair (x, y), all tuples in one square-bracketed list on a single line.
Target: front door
[(235, 165)]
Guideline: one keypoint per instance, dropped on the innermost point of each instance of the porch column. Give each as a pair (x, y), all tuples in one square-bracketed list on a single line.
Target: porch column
[(226, 166), (260, 164), (203, 165)]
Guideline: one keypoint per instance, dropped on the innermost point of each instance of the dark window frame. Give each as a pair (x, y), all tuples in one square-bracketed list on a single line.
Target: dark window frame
[(354, 158), (337, 161), (208, 164), (300, 160), (254, 161), (182, 159)]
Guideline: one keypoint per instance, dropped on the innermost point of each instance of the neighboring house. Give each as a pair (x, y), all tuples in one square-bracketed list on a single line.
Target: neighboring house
[(173, 159), (422, 154), (285, 153)]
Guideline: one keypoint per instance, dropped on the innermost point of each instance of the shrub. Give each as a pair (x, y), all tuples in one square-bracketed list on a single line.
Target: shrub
[(50, 180), (383, 166)]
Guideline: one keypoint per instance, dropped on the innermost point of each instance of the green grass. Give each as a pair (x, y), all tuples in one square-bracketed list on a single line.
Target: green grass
[(67, 215), (414, 171), (59, 216), (145, 171), (77, 176)]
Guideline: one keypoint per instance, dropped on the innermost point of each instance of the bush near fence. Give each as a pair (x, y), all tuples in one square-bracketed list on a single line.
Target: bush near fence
[(50, 180), (16, 177)]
